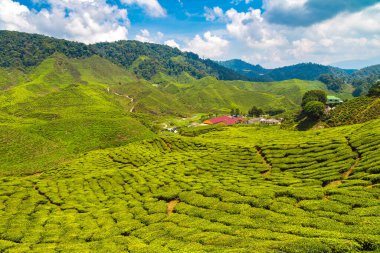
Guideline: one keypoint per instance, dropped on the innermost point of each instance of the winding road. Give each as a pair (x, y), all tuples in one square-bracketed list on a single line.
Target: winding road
[(126, 96)]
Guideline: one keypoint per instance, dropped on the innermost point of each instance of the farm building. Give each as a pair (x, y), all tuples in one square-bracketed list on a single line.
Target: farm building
[(226, 120), (270, 121), (332, 100)]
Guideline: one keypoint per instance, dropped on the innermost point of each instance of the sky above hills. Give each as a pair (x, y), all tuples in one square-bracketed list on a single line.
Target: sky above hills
[(272, 33)]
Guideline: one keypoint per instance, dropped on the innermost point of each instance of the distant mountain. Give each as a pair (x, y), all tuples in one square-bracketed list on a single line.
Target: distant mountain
[(367, 72), (145, 59), (303, 71), (363, 79), (244, 68)]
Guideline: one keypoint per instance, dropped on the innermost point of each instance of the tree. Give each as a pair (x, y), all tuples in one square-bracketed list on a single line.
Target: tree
[(357, 92), (332, 82), (375, 90), (255, 111), (314, 109), (314, 95)]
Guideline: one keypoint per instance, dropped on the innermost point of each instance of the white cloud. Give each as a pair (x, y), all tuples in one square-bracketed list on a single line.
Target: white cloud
[(347, 36), (152, 7), (208, 46), (146, 36), (87, 21), (13, 16), (214, 13), (172, 43)]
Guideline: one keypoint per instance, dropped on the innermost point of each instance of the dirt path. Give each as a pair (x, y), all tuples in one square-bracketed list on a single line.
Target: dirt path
[(130, 98), (266, 162), (171, 205), (347, 173)]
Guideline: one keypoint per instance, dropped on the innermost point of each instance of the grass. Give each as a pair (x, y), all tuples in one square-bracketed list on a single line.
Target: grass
[(239, 189)]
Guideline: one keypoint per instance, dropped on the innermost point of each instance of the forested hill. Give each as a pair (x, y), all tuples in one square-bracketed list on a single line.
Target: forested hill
[(363, 79), (303, 71), (24, 50), (244, 68)]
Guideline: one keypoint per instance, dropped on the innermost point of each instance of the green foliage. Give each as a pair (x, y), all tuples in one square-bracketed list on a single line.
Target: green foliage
[(332, 82), (358, 110), (375, 90), (26, 50), (255, 112), (314, 109), (314, 95), (238, 189), (235, 112)]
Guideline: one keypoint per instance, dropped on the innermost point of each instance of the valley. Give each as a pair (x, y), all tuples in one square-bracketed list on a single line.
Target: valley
[(112, 147)]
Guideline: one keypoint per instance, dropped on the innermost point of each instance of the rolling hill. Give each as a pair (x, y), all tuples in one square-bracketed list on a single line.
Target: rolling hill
[(24, 50), (358, 110), (236, 190), (62, 110), (72, 105)]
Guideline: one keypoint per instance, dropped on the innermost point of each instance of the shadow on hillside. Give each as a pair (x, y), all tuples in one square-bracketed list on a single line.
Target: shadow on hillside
[(306, 124)]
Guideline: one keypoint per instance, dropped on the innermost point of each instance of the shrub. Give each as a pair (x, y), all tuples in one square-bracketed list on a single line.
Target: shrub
[(314, 109)]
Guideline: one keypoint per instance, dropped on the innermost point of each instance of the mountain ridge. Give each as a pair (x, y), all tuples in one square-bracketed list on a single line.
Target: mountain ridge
[(304, 71), (24, 50)]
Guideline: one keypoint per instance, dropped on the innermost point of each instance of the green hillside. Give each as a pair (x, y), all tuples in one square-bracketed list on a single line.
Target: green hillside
[(245, 189), (355, 111), (75, 105), (210, 94), (25, 50), (62, 109)]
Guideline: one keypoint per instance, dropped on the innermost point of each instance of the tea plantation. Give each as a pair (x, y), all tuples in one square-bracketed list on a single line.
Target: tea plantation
[(244, 189)]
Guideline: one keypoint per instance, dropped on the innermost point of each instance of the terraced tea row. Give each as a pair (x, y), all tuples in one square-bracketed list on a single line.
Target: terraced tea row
[(204, 195)]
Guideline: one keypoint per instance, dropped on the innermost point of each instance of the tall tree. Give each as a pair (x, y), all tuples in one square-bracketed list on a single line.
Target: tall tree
[(314, 95)]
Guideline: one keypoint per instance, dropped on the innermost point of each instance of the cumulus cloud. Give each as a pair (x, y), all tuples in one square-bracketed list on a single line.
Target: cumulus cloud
[(85, 20), (345, 37), (152, 7), (208, 45), (172, 43), (146, 36), (213, 14), (13, 16)]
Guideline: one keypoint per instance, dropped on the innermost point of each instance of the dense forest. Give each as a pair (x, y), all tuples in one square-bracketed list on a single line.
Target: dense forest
[(303, 71), (335, 78), (22, 50)]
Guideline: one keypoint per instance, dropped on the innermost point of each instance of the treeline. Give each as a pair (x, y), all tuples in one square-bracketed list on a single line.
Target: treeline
[(361, 82), (22, 50)]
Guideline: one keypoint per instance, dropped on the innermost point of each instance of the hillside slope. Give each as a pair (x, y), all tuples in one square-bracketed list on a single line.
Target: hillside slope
[(61, 110), (237, 190), (355, 111), (209, 94)]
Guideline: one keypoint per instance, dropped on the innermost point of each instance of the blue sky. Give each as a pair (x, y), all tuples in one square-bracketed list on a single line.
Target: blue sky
[(272, 33)]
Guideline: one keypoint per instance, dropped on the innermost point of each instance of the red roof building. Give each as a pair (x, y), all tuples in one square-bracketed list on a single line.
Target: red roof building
[(227, 120)]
